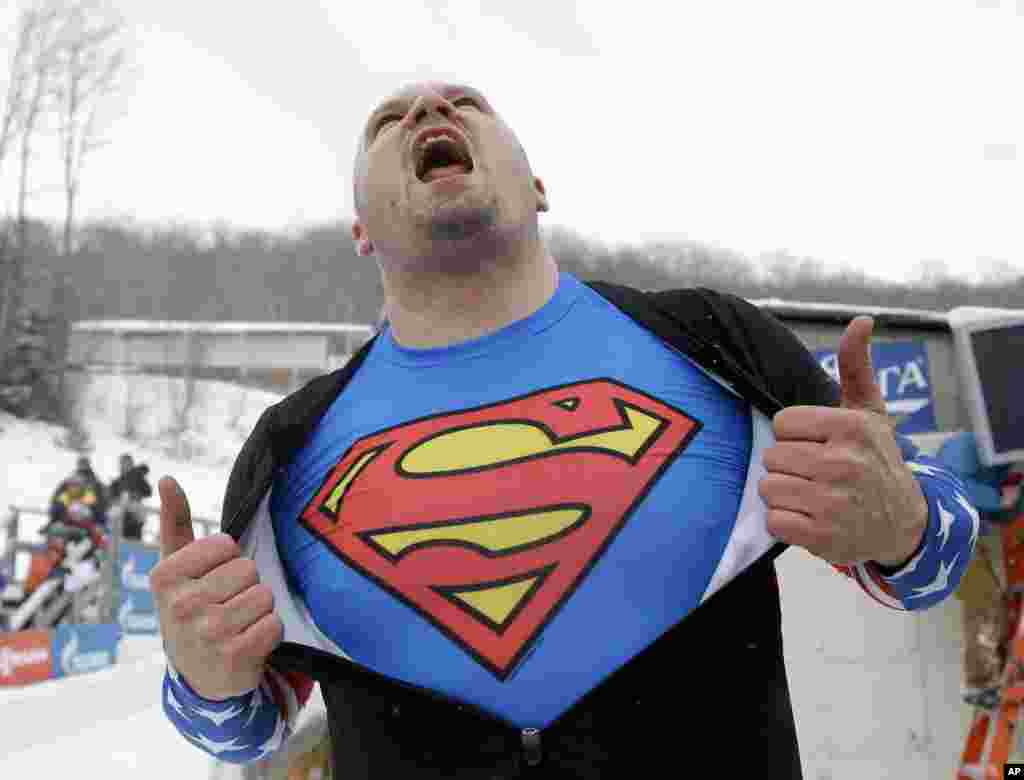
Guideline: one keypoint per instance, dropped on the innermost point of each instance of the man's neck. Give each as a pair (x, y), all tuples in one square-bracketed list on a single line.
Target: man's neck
[(434, 309)]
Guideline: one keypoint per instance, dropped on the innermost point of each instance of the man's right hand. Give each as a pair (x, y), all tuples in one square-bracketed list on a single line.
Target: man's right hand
[(218, 622)]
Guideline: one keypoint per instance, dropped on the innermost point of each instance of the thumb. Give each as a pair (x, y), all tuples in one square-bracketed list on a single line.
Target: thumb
[(856, 374), (175, 518)]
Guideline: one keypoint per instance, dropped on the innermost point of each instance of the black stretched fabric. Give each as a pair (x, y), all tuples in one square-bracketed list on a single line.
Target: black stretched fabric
[(714, 682)]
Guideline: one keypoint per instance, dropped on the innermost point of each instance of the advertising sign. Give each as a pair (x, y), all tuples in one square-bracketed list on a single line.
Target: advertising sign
[(901, 370), (82, 648), (25, 657), (137, 614)]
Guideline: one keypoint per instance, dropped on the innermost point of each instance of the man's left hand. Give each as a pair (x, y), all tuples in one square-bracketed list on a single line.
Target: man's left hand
[(837, 484)]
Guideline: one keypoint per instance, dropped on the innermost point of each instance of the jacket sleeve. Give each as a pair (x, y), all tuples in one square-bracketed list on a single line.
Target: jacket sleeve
[(243, 728), (793, 375), (934, 570)]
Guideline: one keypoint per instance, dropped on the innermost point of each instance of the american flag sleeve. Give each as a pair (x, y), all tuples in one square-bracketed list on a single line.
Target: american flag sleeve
[(934, 572), (240, 729)]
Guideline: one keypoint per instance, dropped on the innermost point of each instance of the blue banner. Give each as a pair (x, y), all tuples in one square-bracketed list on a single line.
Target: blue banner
[(137, 614), (82, 648), (901, 370)]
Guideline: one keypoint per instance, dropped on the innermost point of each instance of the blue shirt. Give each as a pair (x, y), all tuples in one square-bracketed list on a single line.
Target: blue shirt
[(549, 499)]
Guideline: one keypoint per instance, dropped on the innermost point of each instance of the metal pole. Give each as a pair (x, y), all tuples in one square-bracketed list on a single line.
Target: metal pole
[(244, 357), (10, 553), (112, 568), (122, 387)]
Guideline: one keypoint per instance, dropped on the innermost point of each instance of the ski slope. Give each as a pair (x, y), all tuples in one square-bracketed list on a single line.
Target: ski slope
[(110, 724), (33, 462), (107, 724)]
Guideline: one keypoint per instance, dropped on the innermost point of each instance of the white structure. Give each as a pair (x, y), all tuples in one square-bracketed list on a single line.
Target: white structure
[(278, 354)]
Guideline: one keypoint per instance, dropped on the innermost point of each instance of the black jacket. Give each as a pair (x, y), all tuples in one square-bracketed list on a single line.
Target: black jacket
[(133, 482), (712, 688)]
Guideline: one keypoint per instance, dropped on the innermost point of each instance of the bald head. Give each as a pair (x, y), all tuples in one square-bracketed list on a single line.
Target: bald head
[(400, 101), (475, 177)]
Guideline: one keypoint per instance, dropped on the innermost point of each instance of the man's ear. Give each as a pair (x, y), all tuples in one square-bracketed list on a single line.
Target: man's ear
[(363, 245), (542, 195)]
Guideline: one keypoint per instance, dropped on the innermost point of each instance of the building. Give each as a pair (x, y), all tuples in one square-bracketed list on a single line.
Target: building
[(275, 356)]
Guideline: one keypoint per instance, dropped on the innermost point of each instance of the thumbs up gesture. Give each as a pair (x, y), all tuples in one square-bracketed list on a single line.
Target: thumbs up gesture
[(217, 621), (837, 484)]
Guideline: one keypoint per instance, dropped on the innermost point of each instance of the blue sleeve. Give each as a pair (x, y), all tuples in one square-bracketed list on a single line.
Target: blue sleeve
[(947, 547), (237, 730)]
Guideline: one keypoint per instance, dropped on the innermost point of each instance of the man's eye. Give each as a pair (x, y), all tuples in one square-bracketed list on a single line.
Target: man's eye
[(466, 101), (385, 121)]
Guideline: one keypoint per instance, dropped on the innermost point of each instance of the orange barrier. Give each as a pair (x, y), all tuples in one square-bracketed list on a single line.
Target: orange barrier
[(992, 735)]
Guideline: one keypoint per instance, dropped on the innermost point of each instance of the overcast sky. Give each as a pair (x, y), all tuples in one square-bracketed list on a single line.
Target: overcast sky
[(874, 134)]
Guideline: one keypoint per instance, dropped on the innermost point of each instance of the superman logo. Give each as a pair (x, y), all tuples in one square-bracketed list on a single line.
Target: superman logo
[(486, 520)]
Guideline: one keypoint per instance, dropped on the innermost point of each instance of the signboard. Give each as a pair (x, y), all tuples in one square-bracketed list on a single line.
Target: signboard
[(84, 648), (137, 613), (25, 657), (901, 370), (36, 655)]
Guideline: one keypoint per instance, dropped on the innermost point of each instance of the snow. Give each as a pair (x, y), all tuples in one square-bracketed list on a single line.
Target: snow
[(196, 326), (32, 461), (111, 723)]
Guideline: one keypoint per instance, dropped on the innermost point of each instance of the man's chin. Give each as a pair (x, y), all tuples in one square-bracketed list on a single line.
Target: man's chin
[(460, 223)]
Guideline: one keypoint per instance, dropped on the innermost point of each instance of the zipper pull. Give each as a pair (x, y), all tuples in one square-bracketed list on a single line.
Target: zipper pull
[(531, 746)]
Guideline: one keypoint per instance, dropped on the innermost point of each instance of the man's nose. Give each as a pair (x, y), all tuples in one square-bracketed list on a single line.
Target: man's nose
[(429, 105)]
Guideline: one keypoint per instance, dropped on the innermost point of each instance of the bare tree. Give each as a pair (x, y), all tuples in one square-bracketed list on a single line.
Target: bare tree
[(92, 56), (14, 98), (30, 83)]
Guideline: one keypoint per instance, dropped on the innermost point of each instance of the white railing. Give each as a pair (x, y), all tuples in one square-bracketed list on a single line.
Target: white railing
[(13, 542)]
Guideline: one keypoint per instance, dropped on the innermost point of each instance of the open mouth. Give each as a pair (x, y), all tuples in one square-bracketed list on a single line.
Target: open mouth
[(442, 154)]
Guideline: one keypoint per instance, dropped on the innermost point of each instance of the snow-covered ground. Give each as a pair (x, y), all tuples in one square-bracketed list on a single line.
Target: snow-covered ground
[(110, 724), (33, 462), (107, 724)]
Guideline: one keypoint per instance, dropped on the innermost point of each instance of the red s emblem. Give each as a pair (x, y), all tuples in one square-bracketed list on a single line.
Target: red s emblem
[(486, 520)]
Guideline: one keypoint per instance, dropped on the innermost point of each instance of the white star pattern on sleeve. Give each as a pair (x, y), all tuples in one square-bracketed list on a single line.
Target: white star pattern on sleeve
[(218, 718), (215, 747), (946, 519), (921, 468), (912, 566), (940, 582), (274, 742), (176, 705), (254, 706), (961, 499)]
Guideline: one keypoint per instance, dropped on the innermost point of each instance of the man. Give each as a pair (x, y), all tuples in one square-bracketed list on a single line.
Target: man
[(83, 467), (529, 529), (127, 491), (995, 491), (76, 490)]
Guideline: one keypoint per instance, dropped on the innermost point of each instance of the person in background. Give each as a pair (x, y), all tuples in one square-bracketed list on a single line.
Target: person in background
[(996, 492), (127, 491), (95, 490), (84, 469), (76, 489)]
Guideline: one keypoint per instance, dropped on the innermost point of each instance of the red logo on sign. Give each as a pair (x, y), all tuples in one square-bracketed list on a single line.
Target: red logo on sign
[(25, 657)]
